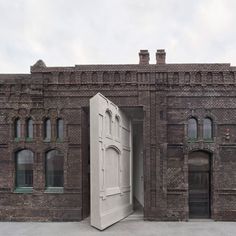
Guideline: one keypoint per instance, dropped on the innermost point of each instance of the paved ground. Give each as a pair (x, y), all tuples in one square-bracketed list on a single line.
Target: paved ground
[(130, 226)]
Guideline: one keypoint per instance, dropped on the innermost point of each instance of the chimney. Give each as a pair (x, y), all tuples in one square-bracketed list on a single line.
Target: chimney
[(161, 56), (144, 57)]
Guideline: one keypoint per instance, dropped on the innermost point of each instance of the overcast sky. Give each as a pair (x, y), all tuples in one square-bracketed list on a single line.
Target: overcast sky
[(69, 32)]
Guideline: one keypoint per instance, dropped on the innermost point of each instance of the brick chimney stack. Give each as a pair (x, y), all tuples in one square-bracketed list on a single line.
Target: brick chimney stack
[(161, 56), (144, 57)]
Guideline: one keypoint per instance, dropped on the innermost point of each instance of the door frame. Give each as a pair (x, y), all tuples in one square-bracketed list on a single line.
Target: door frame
[(211, 180)]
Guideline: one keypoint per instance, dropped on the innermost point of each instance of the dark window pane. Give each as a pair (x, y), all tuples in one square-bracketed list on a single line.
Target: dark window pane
[(54, 169), (24, 168), (17, 128), (47, 129), (192, 128), (60, 128), (29, 128), (207, 128)]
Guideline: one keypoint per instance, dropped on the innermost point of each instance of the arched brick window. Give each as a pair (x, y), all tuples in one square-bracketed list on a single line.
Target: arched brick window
[(54, 168), (17, 128), (60, 129), (24, 160), (192, 128), (29, 128), (47, 129), (207, 128)]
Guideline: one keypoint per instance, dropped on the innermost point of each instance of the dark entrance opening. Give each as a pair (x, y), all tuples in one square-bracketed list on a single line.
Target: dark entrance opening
[(199, 179)]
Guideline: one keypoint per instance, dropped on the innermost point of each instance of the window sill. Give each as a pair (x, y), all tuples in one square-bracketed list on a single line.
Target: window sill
[(200, 140), (208, 140), (59, 140), (54, 190), (29, 140), (23, 190), (47, 140), (192, 140)]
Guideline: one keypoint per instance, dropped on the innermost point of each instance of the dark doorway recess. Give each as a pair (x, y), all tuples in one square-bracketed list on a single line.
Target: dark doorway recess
[(199, 179)]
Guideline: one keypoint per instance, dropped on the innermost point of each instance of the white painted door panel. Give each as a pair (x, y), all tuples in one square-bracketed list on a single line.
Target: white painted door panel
[(111, 163)]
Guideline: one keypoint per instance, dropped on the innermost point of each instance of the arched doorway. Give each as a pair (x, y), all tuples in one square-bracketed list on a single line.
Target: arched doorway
[(199, 182)]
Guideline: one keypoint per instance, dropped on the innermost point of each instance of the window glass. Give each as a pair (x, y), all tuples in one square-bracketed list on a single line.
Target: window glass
[(29, 128), (59, 128), (47, 129), (24, 168), (17, 128), (54, 169), (207, 128), (192, 128)]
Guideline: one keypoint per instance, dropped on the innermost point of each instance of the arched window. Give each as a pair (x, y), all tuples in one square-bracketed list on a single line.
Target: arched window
[(24, 168), (117, 127), (54, 169), (108, 122), (59, 129), (47, 129), (207, 128), (17, 128), (29, 128), (192, 128)]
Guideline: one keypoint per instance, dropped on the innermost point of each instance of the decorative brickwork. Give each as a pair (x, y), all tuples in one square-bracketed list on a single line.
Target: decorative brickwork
[(168, 93)]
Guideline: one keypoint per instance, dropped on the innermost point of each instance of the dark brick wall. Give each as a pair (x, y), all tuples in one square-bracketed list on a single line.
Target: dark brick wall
[(169, 95)]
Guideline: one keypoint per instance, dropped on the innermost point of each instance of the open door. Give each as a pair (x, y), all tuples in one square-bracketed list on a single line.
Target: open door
[(111, 163)]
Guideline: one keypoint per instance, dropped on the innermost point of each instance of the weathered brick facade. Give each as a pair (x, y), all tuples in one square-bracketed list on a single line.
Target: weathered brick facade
[(168, 94)]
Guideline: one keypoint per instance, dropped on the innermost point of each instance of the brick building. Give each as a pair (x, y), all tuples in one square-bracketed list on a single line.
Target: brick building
[(184, 138)]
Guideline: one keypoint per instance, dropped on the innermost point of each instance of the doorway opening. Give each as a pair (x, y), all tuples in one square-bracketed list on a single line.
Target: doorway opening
[(138, 177), (136, 115), (199, 179)]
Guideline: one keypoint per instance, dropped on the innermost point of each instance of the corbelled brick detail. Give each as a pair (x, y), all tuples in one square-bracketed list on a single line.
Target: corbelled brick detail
[(169, 95)]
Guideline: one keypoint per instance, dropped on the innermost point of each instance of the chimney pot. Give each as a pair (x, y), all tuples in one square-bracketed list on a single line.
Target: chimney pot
[(161, 56), (144, 57)]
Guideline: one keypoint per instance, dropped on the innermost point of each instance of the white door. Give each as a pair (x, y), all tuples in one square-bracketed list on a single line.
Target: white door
[(111, 163)]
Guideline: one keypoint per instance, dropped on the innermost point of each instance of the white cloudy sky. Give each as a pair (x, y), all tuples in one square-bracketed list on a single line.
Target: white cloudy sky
[(69, 32)]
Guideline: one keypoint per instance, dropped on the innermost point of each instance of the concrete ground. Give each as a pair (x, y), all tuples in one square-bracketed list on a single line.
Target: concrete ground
[(132, 225)]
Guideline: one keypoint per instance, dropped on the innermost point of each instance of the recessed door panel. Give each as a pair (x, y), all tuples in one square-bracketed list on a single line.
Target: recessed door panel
[(199, 186), (199, 195)]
